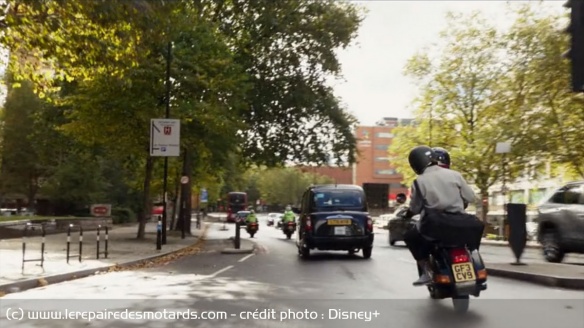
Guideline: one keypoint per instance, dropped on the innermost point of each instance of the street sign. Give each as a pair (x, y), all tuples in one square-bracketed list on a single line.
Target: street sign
[(164, 137), (101, 209), (184, 180), (204, 196)]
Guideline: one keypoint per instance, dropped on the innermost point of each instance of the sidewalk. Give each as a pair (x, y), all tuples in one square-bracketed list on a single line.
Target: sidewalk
[(549, 274), (529, 244), (123, 248)]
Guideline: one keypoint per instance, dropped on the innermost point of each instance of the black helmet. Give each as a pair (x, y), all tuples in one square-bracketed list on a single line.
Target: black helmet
[(442, 156), (401, 198), (420, 158)]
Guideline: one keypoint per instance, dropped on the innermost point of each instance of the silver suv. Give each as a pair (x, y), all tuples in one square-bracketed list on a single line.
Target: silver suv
[(561, 222)]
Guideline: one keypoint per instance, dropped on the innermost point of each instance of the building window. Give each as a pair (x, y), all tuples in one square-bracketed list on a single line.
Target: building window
[(382, 159), (385, 172), (382, 147), (384, 135)]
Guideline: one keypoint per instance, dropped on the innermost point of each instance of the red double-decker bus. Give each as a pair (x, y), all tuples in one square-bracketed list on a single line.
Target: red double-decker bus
[(236, 201)]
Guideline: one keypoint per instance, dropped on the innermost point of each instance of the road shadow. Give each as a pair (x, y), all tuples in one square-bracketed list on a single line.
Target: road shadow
[(321, 256), (441, 314)]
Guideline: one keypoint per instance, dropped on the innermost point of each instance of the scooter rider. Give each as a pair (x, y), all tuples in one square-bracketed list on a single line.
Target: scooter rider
[(288, 215), (441, 190), (251, 218), (442, 156)]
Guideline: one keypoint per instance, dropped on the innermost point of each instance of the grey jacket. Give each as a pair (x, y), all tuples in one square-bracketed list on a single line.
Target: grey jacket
[(443, 189)]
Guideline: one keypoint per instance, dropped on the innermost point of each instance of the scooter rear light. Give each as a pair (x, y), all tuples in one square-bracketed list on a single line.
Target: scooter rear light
[(459, 255), (441, 279)]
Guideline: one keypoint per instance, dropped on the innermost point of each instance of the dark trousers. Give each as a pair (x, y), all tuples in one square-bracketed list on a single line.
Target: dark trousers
[(419, 246)]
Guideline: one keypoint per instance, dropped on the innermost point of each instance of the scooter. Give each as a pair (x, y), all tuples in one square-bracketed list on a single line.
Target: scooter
[(252, 228), (457, 273), (289, 228)]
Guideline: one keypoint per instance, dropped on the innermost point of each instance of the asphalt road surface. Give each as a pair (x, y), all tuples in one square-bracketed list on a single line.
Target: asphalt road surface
[(275, 288)]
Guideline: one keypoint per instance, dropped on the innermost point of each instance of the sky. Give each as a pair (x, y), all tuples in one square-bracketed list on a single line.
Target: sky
[(393, 31)]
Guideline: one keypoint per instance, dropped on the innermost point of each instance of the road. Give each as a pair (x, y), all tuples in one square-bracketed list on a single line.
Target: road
[(276, 279)]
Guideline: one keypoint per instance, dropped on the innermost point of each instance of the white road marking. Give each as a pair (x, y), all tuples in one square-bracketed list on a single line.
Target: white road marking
[(221, 271), (246, 257)]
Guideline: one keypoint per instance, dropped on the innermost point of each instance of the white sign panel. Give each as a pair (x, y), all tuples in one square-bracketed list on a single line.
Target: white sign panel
[(503, 147), (164, 137)]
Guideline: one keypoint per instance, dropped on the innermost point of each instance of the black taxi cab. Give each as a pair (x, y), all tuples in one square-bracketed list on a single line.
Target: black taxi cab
[(334, 218)]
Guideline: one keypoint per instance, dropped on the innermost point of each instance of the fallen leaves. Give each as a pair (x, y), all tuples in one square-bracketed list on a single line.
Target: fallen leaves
[(165, 259)]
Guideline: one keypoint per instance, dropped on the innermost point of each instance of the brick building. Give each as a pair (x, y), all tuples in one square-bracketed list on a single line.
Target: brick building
[(341, 175), (373, 170)]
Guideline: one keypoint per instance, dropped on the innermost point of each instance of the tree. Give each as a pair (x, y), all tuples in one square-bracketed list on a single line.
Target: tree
[(462, 98), (22, 172), (288, 49), (125, 105), (73, 39), (538, 84), (285, 186)]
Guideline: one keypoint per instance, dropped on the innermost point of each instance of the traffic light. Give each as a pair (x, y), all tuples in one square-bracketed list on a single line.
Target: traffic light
[(576, 52)]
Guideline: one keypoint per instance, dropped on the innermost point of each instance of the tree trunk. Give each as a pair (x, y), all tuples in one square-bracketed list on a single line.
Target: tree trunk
[(185, 203), (188, 195), (485, 208), (147, 209), (174, 203)]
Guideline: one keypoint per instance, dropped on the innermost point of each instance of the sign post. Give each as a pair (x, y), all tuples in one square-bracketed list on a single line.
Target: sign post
[(184, 180), (164, 142)]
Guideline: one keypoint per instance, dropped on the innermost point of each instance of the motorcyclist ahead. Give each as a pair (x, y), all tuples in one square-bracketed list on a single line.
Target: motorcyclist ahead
[(438, 195), (288, 215), (251, 218)]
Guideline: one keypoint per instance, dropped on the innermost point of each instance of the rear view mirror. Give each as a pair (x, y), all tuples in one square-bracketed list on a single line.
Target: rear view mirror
[(296, 210)]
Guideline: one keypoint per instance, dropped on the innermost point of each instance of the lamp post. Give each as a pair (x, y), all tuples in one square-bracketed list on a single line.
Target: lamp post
[(503, 148)]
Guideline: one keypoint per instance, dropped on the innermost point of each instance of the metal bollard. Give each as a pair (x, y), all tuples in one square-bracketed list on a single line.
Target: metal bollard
[(237, 240), (159, 234), (98, 240), (98, 228), (80, 242), (24, 245), (68, 241), (24, 236), (43, 246), (106, 240)]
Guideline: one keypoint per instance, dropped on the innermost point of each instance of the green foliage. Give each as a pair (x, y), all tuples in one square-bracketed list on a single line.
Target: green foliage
[(285, 186), (248, 84), (487, 86), (121, 215)]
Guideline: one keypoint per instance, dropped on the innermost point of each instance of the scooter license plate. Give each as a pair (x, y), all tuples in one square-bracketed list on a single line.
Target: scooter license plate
[(463, 272)]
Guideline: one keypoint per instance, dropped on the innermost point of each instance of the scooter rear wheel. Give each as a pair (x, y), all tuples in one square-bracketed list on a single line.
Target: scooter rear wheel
[(461, 303)]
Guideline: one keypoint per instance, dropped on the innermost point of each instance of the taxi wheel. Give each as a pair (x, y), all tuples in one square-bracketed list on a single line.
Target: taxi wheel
[(367, 252)]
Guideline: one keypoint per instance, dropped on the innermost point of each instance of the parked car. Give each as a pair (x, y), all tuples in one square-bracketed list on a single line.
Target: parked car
[(383, 221), (334, 218), (241, 216), (272, 218), (561, 222), (398, 226)]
